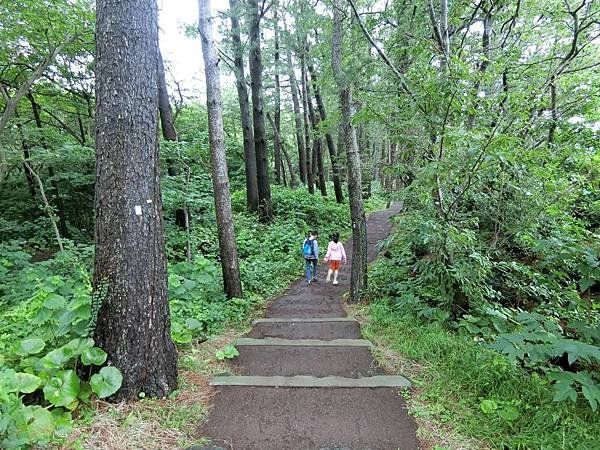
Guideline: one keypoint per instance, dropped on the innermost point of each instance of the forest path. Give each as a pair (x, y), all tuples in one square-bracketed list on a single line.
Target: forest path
[(307, 379)]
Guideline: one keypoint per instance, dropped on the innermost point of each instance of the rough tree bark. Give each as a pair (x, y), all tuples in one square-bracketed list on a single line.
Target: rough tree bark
[(358, 276), (297, 118), (130, 269), (265, 212), (227, 245), (247, 131), (337, 184)]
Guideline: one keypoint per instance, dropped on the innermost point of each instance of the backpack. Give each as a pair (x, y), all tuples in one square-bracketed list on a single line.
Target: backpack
[(309, 249)]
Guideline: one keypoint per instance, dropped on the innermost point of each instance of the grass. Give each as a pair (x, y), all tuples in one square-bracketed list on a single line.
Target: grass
[(454, 375)]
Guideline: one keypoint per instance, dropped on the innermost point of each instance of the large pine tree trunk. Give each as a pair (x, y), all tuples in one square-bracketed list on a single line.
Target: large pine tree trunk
[(337, 184), (247, 131), (265, 211), (297, 118), (220, 178), (358, 276), (130, 270)]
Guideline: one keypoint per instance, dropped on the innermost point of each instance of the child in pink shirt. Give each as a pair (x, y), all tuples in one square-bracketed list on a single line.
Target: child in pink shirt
[(335, 256)]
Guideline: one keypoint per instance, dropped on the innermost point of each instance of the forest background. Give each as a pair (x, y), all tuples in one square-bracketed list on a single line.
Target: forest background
[(481, 117)]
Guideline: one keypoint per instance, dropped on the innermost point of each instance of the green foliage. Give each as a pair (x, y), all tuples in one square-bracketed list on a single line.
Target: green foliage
[(479, 392), (228, 352), (49, 312)]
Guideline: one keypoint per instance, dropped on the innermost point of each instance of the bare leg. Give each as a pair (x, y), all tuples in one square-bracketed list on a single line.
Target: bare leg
[(328, 275), (335, 275)]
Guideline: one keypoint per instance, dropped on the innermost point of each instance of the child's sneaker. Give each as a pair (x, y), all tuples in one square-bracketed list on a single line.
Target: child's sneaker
[(335, 282)]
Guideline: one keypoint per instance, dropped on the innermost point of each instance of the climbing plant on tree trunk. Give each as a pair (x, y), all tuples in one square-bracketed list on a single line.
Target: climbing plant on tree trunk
[(130, 273)]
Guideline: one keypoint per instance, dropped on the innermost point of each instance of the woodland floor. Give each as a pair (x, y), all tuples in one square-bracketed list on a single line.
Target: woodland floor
[(255, 417)]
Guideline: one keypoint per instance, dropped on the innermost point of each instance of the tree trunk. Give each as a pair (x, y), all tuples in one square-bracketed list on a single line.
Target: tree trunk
[(247, 131), (60, 206), (358, 276), (169, 134), (337, 184), (297, 119), (130, 269), (293, 182), (310, 175), (317, 157), (26, 156), (277, 144), (220, 178), (265, 211)]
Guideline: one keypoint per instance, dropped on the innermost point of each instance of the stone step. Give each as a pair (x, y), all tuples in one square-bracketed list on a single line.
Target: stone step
[(299, 381), (304, 342), (304, 320)]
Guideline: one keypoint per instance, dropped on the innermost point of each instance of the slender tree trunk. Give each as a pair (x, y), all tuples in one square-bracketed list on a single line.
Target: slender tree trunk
[(247, 131), (265, 211), (169, 133), (358, 276), (47, 205), (277, 144), (485, 62), (553, 111), (29, 176), (310, 169), (317, 157), (293, 182), (60, 205), (337, 184), (220, 178), (130, 270), (297, 119)]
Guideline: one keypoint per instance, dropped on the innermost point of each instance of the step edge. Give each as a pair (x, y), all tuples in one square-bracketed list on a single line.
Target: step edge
[(275, 342), (303, 320), (381, 381)]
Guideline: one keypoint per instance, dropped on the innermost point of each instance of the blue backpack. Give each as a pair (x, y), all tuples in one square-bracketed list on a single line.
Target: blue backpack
[(309, 249)]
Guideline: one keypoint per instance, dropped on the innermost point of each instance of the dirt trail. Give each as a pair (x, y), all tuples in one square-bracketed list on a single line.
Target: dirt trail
[(251, 417)]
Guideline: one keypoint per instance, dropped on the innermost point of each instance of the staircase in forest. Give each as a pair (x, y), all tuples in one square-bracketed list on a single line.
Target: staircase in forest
[(307, 378)]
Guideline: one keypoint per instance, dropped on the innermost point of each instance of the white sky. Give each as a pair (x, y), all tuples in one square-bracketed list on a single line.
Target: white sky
[(182, 54)]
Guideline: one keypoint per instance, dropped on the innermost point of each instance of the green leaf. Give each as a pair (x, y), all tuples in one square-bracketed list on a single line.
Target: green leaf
[(94, 355), (488, 406), (62, 389), (106, 382), (30, 346), (509, 412), (40, 423), (57, 358), (55, 301), (26, 382)]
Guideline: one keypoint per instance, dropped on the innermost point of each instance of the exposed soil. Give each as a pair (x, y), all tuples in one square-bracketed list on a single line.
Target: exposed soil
[(324, 331), (265, 418), (261, 418), (348, 362)]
